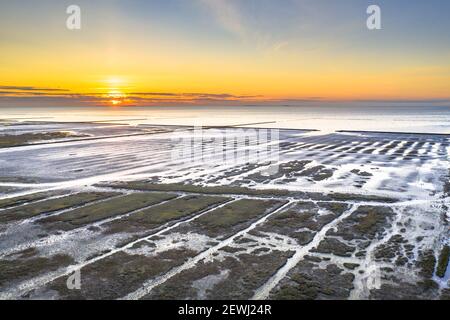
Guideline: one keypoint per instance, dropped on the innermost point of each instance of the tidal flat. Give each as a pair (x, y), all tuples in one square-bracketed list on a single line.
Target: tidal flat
[(346, 215)]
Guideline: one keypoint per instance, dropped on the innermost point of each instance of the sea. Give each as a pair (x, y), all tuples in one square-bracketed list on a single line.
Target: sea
[(411, 119)]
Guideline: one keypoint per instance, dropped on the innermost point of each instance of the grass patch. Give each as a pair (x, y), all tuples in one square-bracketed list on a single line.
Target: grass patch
[(227, 279), (357, 197), (35, 209), (427, 264), (309, 282), (317, 173), (369, 222), (15, 270), (336, 247), (447, 185), (443, 262), (176, 209), (335, 207), (151, 218), (303, 220), (304, 289), (178, 187), (351, 266), (106, 209), (119, 274), (5, 203), (7, 141), (235, 213), (370, 219), (232, 190)]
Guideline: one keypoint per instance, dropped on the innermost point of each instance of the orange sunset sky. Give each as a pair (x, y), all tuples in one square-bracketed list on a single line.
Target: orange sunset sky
[(222, 52)]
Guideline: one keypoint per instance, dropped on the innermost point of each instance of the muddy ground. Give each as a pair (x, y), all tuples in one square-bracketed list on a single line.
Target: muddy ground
[(345, 216)]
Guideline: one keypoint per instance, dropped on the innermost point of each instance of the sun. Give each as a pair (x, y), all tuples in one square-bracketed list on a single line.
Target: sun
[(116, 94), (115, 81), (116, 97), (115, 91)]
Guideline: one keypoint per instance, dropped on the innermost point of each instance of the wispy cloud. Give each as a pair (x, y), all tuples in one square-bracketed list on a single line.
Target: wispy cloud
[(195, 95), (233, 16), (228, 15)]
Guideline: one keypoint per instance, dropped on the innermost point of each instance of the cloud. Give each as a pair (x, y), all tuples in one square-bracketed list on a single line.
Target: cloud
[(31, 88), (167, 94), (192, 95), (407, 101), (280, 45), (228, 15), (252, 22), (28, 96)]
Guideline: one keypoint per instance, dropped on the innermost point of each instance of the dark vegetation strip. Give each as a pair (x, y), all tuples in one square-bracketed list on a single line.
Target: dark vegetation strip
[(7, 141), (443, 262), (80, 139), (154, 217), (47, 206), (198, 189), (10, 202), (106, 209), (235, 190), (29, 264), (234, 216), (235, 213), (427, 264)]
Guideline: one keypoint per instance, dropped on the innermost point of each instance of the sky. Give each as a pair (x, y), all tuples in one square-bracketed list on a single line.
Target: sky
[(220, 52)]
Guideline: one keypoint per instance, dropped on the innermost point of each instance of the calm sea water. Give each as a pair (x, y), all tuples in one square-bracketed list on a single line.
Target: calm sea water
[(324, 118)]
